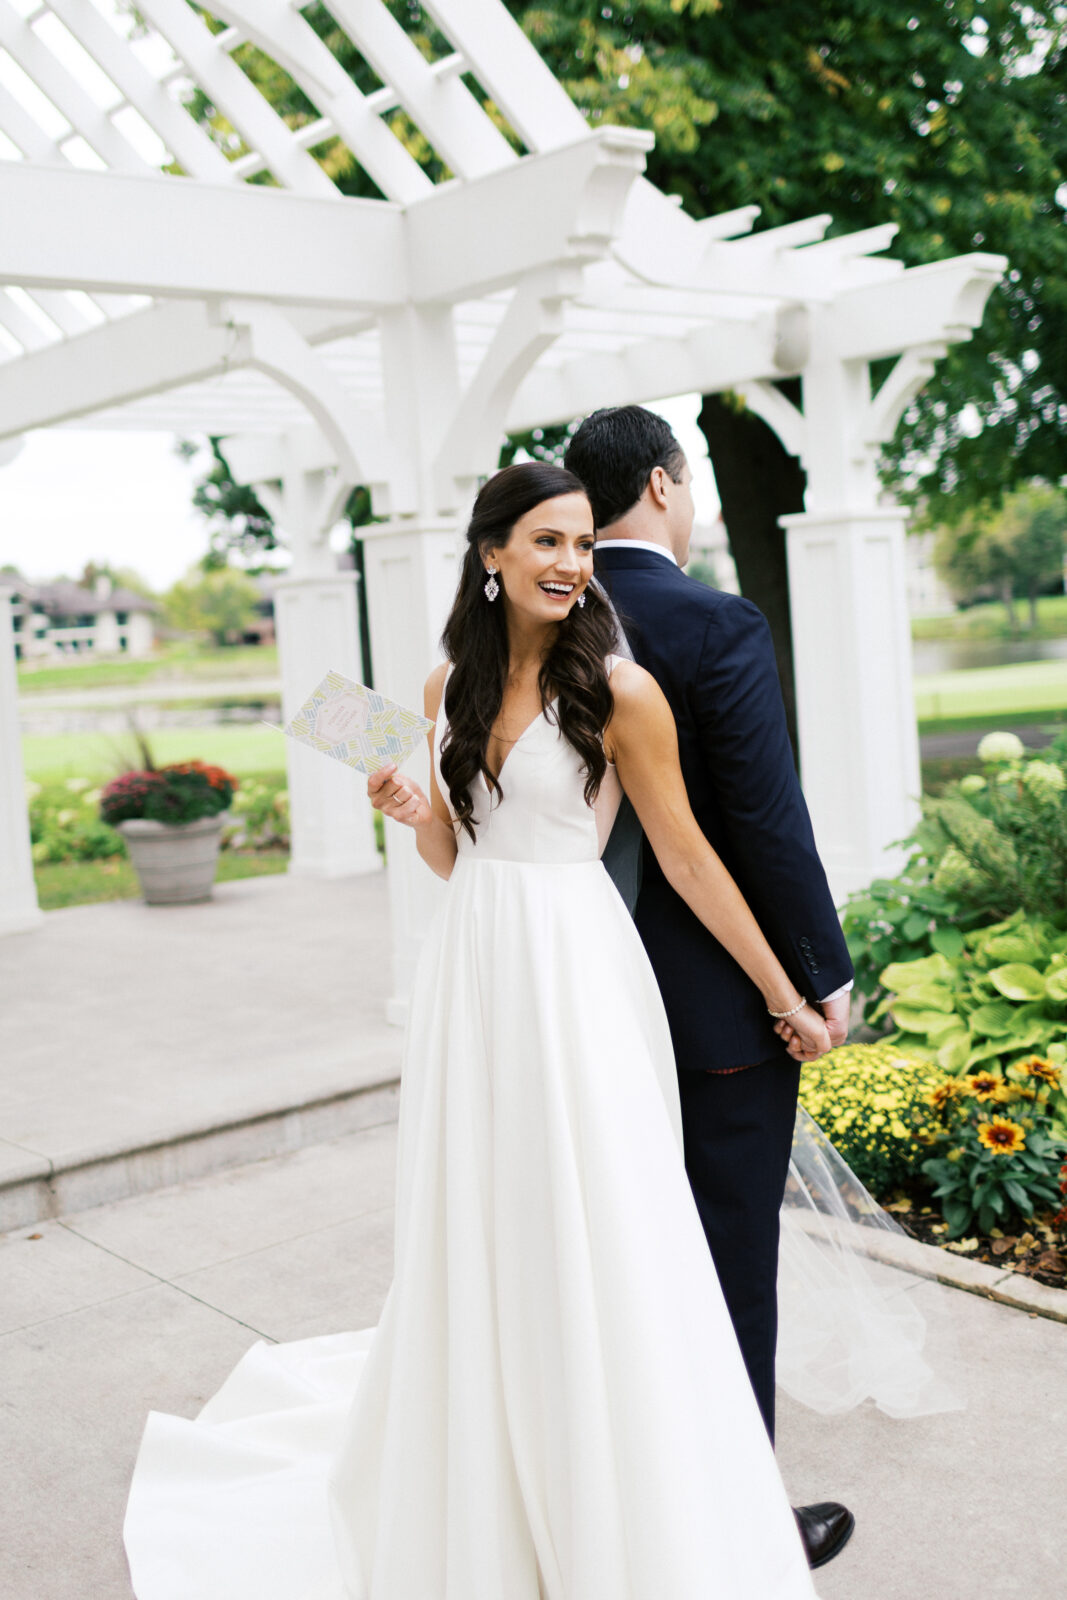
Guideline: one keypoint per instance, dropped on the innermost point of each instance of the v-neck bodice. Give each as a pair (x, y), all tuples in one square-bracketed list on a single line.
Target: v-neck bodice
[(542, 815)]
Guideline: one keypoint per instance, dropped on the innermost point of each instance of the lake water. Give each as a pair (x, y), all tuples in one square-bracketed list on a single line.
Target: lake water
[(146, 716), (937, 655), (928, 656)]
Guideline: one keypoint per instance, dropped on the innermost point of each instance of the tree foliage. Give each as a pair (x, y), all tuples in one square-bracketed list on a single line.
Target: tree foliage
[(221, 602), (950, 120), (1014, 550)]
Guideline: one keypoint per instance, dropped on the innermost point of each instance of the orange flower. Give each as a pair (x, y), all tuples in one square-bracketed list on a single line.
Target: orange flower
[(1002, 1136), (1038, 1067), (940, 1096), (985, 1086)]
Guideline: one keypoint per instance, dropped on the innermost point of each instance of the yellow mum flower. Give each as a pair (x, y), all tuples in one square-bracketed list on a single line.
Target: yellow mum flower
[(1002, 1136)]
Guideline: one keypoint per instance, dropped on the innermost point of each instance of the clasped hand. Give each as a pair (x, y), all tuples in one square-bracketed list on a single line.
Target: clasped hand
[(398, 797)]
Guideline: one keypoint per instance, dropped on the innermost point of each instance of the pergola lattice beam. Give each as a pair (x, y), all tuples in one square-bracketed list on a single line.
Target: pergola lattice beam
[(120, 361), (185, 140), (65, 93), (236, 96), (219, 240), (283, 34), (510, 70), (935, 304), (717, 356), (443, 107)]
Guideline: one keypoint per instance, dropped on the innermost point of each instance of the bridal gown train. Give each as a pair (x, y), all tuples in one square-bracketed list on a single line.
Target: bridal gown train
[(553, 1406)]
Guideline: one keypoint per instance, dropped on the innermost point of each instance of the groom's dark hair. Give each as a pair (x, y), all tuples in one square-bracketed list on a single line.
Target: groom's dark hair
[(614, 452)]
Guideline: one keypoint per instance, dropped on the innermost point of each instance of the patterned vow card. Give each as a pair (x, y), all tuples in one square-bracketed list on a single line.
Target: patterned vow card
[(346, 720)]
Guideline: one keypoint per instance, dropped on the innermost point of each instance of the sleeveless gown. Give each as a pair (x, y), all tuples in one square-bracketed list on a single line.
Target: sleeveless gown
[(553, 1406)]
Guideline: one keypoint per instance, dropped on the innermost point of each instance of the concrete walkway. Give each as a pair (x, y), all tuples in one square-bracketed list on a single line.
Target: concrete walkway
[(197, 1150), (148, 1302), (146, 1044)]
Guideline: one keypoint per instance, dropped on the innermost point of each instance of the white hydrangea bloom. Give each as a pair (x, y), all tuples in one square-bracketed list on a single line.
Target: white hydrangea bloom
[(1044, 780), (973, 783), (1001, 747)]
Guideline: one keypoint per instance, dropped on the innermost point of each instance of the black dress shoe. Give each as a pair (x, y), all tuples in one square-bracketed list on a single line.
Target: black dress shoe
[(825, 1530)]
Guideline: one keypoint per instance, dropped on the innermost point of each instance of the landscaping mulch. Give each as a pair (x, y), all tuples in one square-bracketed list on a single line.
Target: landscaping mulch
[(1038, 1251)]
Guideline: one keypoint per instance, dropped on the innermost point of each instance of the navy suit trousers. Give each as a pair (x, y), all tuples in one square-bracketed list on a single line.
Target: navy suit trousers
[(738, 1129)]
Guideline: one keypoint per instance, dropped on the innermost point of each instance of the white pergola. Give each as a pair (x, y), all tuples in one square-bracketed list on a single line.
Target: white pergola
[(392, 342)]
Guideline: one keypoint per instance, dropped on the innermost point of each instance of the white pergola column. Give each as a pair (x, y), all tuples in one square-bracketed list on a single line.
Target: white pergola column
[(18, 892), (331, 825), (316, 618), (859, 744), (859, 748), (412, 572)]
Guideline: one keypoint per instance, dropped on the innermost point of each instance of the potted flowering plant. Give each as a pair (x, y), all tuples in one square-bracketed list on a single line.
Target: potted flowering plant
[(171, 819)]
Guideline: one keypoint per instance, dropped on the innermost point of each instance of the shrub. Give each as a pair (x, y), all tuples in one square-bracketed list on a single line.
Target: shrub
[(260, 816), (994, 844), (999, 1152), (983, 998), (182, 792), (873, 1101), (64, 825)]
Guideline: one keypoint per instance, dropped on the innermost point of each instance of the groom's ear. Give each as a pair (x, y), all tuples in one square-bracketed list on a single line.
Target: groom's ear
[(657, 486)]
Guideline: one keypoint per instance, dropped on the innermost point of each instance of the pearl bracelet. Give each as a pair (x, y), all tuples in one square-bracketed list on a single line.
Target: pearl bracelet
[(790, 1013)]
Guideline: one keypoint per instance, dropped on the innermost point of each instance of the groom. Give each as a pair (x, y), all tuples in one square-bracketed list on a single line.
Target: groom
[(711, 654)]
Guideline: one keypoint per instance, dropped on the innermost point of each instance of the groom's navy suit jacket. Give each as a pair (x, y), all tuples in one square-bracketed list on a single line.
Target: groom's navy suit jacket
[(712, 656)]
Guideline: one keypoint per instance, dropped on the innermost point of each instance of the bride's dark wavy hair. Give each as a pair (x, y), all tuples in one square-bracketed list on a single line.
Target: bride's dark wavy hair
[(476, 642)]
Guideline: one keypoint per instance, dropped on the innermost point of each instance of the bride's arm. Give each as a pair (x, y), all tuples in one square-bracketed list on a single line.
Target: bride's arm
[(400, 798), (642, 741)]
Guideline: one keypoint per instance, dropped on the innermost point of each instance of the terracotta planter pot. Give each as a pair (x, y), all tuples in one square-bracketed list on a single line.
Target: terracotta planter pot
[(175, 861)]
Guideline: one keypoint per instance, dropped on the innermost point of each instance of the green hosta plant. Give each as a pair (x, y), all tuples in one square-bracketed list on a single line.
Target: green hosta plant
[(999, 1152), (983, 998), (994, 844)]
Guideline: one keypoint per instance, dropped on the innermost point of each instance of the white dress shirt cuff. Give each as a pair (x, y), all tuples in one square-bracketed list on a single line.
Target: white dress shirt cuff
[(845, 987)]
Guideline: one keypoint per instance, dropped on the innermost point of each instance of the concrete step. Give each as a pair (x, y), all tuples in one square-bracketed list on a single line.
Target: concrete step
[(35, 1188)]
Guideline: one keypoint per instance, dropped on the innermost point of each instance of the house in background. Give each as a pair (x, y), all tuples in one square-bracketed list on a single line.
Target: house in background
[(61, 620)]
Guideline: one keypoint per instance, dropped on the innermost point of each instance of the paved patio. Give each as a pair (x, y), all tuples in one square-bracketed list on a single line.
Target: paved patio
[(258, 1020), (147, 1044)]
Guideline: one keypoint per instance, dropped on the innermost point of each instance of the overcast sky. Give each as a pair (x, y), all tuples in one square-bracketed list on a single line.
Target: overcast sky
[(126, 498)]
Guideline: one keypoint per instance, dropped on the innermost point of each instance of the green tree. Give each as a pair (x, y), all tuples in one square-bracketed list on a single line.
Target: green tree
[(220, 602), (1013, 550), (121, 578), (950, 120)]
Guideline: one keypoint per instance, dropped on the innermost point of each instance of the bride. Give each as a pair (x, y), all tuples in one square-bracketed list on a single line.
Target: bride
[(553, 1406)]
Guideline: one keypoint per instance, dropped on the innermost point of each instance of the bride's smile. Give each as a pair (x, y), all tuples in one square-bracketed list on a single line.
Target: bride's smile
[(548, 560)]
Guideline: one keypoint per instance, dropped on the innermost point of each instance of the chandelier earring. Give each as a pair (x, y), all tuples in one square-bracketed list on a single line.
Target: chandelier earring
[(492, 588)]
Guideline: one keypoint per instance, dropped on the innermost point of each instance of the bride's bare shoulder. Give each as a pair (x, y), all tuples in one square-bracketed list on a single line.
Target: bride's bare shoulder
[(632, 687), (435, 687)]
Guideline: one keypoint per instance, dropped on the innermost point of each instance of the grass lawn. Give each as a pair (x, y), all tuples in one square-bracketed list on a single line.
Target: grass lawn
[(1003, 693), (991, 622), (99, 756), (173, 660), (83, 883)]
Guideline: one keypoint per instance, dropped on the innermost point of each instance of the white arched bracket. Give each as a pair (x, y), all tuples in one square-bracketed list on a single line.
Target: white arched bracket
[(780, 414), (266, 340), (908, 377), (532, 323)]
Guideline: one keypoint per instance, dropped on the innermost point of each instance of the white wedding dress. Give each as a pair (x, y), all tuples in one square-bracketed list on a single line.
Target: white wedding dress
[(553, 1406)]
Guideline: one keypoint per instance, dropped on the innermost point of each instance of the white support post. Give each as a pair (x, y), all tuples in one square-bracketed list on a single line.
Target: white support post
[(859, 749), (318, 630), (859, 745), (317, 623), (411, 578), (18, 892)]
